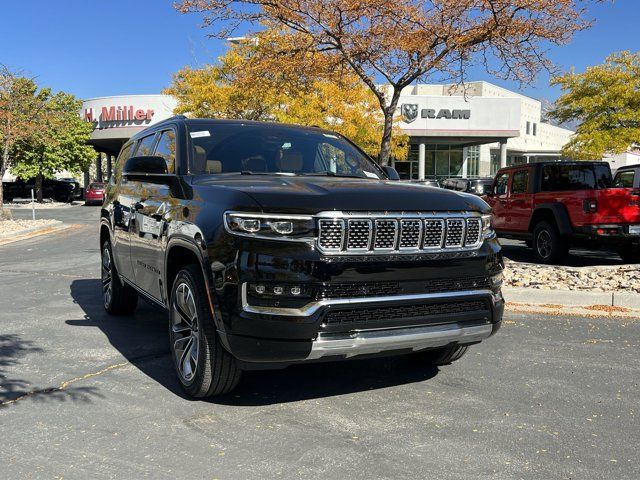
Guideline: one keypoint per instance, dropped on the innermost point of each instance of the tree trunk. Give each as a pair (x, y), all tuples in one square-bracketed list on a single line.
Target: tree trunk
[(39, 188), (385, 144)]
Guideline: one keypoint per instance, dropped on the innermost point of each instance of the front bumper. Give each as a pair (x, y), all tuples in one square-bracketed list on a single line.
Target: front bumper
[(402, 335)]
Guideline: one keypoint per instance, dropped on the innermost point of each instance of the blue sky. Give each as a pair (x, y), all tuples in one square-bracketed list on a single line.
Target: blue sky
[(96, 48)]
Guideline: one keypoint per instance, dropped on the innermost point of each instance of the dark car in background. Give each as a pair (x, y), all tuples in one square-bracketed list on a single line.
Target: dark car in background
[(476, 186), (427, 182), (94, 194), (59, 190), (272, 244), (627, 177)]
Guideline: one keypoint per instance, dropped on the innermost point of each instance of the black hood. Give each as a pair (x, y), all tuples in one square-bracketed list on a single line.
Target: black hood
[(309, 195)]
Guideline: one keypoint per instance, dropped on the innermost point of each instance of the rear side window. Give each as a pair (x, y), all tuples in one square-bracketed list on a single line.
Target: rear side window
[(624, 179), (568, 177), (520, 181), (166, 149), (500, 187)]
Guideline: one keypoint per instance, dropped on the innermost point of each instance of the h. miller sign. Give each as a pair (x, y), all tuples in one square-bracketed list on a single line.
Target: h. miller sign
[(118, 115), (409, 113)]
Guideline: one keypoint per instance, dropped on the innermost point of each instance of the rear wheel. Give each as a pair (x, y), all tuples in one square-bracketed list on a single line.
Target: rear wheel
[(548, 245), (118, 297), (630, 253), (444, 355), (204, 367)]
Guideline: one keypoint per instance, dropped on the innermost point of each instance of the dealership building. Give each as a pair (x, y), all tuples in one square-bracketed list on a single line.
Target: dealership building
[(453, 131)]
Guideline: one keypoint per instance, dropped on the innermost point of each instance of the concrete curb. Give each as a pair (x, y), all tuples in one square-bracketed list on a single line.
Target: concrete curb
[(571, 298), (27, 233)]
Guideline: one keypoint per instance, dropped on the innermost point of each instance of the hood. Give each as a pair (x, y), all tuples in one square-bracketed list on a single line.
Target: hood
[(310, 195)]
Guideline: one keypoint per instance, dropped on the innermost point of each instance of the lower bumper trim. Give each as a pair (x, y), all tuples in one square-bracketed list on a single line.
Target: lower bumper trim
[(415, 338)]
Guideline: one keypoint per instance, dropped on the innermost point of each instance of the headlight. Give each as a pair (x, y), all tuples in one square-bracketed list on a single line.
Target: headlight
[(271, 226), (487, 227)]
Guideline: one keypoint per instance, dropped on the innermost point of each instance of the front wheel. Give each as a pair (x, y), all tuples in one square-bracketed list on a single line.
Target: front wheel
[(204, 367), (444, 355), (548, 245)]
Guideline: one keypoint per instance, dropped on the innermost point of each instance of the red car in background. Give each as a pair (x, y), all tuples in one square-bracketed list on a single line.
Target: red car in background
[(94, 194), (555, 205)]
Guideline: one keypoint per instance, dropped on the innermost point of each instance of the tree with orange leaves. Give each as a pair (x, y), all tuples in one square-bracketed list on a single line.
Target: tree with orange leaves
[(397, 42)]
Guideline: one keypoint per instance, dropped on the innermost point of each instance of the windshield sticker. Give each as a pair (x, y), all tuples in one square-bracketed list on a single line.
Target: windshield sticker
[(201, 133), (369, 174)]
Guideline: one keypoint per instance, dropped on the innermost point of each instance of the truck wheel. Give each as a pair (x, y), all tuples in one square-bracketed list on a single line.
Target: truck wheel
[(548, 245), (118, 297), (444, 355), (630, 253), (204, 367)]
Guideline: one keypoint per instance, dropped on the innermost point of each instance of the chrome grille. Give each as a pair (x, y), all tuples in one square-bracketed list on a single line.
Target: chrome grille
[(473, 231), (433, 233), (410, 232), (359, 235), (331, 234), (386, 231), (455, 232)]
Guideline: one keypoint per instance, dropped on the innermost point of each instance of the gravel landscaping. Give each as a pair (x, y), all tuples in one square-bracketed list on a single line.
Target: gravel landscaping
[(13, 226), (619, 278), (40, 206)]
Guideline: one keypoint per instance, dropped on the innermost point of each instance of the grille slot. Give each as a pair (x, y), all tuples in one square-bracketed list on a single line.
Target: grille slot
[(355, 290), (386, 232), (433, 233), (410, 233), (455, 232), (372, 315), (359, 235), (331, 234), (473, 231)]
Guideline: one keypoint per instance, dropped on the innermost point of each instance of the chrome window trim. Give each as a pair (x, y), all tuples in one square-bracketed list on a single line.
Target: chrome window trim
[(312, 307)]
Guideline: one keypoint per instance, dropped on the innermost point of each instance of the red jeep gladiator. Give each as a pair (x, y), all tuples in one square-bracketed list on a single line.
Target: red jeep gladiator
[(554, 205)]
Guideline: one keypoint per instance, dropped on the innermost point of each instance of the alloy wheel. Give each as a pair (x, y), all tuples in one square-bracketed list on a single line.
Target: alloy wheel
[(107, 276), (184, 331), (543, 244)]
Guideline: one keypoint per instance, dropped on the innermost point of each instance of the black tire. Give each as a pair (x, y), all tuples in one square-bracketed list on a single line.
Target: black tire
[(213, 371), (548, 245), (118, 297), (444, 355), (630, 253)]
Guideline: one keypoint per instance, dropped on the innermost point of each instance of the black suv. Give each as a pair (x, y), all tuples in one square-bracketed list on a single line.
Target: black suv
[(273, 244), (477, 186), (58, 190)]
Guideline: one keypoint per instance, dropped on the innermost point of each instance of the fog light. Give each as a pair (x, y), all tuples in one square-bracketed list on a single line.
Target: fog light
[(296, 290), (260, 289), (278, 290)]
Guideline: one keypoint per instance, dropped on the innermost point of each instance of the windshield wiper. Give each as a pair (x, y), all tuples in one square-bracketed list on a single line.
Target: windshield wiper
[(329, 173)]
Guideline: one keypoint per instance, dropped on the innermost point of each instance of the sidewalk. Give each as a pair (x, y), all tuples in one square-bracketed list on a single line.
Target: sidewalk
[(617, 304)]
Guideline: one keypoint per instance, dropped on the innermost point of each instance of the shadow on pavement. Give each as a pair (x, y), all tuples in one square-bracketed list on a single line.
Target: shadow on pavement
[(519, 252), (143, 340), (12, 349)]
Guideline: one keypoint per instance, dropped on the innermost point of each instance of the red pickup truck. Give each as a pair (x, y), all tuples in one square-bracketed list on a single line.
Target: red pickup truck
[(554, 205)]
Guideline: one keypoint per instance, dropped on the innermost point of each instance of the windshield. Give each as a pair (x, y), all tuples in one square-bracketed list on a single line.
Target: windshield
[(268, 149)]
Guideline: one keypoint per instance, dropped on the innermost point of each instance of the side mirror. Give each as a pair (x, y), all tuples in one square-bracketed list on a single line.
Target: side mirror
[(145, 165), (391, 173)]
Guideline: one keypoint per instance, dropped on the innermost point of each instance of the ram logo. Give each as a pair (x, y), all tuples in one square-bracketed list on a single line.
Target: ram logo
[(409, 112)]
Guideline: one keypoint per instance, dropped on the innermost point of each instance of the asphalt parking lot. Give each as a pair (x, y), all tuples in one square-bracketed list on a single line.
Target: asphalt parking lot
[(84, 395)]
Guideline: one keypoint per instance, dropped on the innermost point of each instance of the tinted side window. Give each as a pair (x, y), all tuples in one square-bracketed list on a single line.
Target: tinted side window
[(500, 187), (568, 177), (603, 176), (145, 146), (166, 149), (520, 181), (624, 179)]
